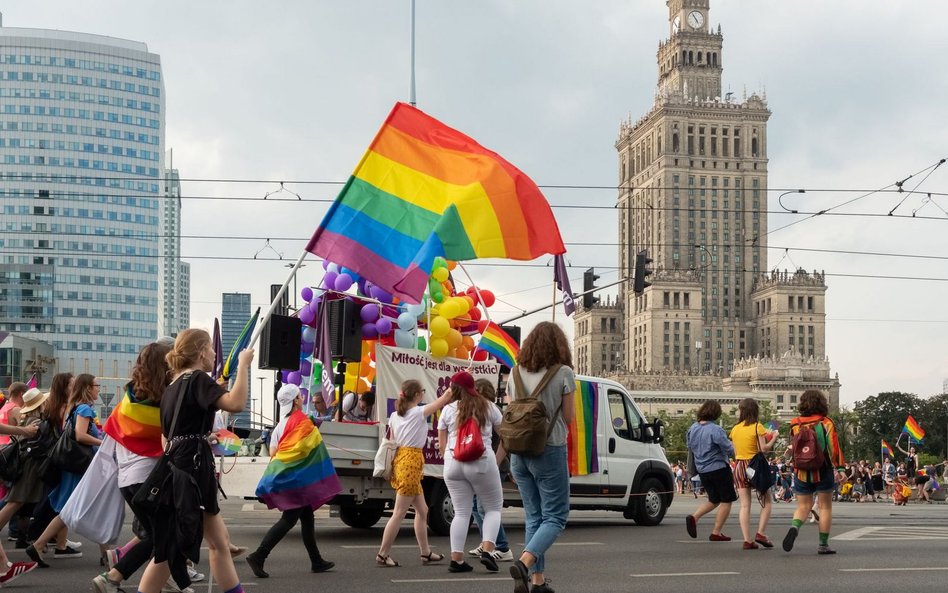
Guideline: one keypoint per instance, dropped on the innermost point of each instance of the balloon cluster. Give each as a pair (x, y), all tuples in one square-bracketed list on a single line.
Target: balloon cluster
[(454, 317)]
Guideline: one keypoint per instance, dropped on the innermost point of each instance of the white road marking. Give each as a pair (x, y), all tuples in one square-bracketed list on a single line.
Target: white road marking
[(456, 580), (855, 533), (906, 569), (683, 574), (375, 546)]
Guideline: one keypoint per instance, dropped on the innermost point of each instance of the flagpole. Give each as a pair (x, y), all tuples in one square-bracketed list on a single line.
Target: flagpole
[(276, 300), (411, 99)]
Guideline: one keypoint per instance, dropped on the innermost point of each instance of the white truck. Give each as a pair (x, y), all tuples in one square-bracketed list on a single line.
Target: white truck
[(626, 465)]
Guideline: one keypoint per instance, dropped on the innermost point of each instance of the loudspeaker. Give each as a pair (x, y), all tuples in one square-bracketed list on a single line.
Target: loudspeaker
[(345, 330), (280, 343)]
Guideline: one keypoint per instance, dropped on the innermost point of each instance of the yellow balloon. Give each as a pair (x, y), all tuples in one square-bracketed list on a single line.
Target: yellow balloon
[(439, 347), (454, 339), (463, 305), (440, 274), (351, 382), (439, 328), (450, 309)]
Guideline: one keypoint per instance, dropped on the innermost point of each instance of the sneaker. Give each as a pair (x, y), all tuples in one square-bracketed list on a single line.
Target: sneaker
[(502, 555), (17, 570), (112, 557), (790, 538), (322, 565), (487, 559), (256, 566), (102, 584), (544, 588), (718, 537), (825, 549), (66, 552), (11, 538), (35, 556), (475, 553), (73, 545), (195, 576), (521, 577), (460, 567)]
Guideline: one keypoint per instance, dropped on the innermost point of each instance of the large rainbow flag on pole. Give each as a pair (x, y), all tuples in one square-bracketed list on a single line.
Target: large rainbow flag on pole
[(424, 190), (300, 473), (136, 425), (581, 446), (496, 342), (914, 430)]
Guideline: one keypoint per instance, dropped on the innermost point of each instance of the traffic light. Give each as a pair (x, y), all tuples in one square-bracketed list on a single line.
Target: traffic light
[(642, 260), (589, 284)]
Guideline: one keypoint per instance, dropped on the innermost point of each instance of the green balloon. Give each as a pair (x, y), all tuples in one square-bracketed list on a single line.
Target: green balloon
[(422, 344)]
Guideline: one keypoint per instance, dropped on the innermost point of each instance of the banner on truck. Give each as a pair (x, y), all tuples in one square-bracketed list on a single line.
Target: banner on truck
[(395, 365)]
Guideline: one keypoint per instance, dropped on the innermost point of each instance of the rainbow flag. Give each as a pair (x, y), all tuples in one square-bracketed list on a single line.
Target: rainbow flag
[(914, 430), (32, 383), (228, 444), (424, 190), (582, 449), (496, 342), (136, 425), (772, 425), (300, 473), (887, 450), (240, 344)]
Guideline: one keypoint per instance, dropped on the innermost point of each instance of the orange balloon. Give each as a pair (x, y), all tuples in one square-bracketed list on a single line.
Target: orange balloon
[(452, 265), (454, 339), (448, 287), (462, 353), (468, 342)]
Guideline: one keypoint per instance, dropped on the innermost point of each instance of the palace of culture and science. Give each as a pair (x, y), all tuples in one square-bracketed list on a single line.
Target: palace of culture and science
[(693, 192)]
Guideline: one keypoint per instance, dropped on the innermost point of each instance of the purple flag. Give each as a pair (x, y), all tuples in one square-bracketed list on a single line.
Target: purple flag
[(323, 351), (562, 282)]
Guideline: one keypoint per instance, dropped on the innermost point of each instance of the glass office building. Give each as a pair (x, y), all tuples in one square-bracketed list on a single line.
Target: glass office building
[(81, 189), (235, 311)]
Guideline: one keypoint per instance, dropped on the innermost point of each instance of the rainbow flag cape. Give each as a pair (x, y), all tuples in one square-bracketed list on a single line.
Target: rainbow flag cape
[(228, 443), (300, 473), (136, 425), (496, 342), (913, 429), (581, 446), (424, 190), (241, 343), (887, 450)]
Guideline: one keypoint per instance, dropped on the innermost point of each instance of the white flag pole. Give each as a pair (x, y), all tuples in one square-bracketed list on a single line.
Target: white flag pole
[(276, 300)]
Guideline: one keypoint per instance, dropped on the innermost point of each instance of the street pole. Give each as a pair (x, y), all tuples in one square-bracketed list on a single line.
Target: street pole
[(261, 400)]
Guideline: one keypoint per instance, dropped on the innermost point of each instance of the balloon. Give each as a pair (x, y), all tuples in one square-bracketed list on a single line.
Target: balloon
[(326, 263), (474, 314), (343, 282), (454, 338), (369, 313), (305, 393), (468, 342), (472, 292), (353, 369), (294, 377), (438, 347), (482, 325), (463, 304), (440, 274), (334, 268), (462, 353), (361, 287), (309, 334), (307, 293), (439, 262), (488, 298), (450, 309), (306, 368), (407, 321), (439, 327), (480, 355), (369, 332), (452, 265), (352, 274), (383, 326), (404, 339), (351, 383), (437, 295), (306, 315), (307, 348), (285, 376), (329, 280)]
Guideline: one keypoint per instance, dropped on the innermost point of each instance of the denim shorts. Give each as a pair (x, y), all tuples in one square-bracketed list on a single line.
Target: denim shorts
[(826, 483)]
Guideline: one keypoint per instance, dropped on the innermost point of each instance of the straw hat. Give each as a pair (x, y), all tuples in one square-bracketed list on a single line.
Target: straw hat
[(33, 399)]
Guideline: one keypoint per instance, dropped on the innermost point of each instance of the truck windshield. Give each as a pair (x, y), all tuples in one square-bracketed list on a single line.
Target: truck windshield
[(626, 422)]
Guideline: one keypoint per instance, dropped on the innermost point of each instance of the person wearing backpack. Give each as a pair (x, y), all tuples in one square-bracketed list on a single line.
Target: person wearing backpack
[(816, 451), (541, 387), (750, 438), (470, 468)]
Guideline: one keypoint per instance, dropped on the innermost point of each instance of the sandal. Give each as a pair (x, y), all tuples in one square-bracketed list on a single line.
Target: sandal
[(431, 557), (385, 561)]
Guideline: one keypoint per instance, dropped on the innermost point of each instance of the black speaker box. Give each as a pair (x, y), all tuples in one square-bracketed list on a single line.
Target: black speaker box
[(280, 343), (345, 330)]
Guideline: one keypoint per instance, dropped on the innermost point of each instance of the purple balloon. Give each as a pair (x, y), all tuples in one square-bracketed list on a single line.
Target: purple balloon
[(285, 376), (306, 315), (306, 293), (326, 263), (383, 296), (369, 332), (307, 347), (383, 326), (294, 378), (343, 282), (329, 280), (304, 392), (306, 367), (369, 313), (363, 289)]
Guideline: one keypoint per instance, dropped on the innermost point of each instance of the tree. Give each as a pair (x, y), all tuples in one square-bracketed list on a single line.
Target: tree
[(847, 423), (881, 417), (675, 430), (934, 420)]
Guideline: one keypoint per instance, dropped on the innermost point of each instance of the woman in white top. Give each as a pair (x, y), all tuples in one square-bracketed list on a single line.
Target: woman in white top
[(409, 430), (464, 479)]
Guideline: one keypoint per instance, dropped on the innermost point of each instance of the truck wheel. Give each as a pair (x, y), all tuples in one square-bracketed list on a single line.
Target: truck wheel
[(441, 510), (360, 516), (648, 505)]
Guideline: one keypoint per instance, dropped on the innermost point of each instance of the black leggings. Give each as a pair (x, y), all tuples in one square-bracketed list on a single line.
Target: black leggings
[(279, 530), (142, 552)]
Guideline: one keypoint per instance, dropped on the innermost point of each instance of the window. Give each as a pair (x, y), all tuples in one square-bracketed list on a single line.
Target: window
[(626, 421)]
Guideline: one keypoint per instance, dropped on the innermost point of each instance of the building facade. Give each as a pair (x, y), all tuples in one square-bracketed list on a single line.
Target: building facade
[(175, 293), (21, 358), (81, 147), (693, 194), (235, 311)]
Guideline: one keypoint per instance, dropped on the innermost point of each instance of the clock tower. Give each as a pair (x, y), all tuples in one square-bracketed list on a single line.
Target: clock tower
[(689, 62)]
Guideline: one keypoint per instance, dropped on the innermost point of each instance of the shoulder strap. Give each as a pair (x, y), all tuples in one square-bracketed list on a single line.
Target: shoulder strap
[(545, 380), (518, 382), (177, 409)]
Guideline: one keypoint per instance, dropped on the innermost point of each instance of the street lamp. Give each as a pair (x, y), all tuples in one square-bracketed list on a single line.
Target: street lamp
[(793, 191), (705, 249)]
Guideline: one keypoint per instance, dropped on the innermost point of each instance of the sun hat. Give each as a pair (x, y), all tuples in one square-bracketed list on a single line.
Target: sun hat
[(33, 399)]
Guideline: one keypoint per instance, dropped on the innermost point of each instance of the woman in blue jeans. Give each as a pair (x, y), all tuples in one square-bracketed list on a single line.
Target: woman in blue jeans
[(543, 480)]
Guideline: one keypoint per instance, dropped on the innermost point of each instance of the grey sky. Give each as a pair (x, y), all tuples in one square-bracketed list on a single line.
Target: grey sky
[(296, 90)]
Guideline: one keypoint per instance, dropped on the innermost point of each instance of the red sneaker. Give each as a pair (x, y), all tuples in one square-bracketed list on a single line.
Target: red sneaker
[(17, 570), (719, 537)]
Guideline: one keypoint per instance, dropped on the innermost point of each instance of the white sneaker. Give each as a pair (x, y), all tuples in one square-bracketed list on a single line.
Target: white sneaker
[(196, 577), (72, 544), (499, 556), (476, 552)]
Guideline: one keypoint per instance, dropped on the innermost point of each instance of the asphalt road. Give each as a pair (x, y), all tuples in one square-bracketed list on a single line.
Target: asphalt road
[(881, 548)]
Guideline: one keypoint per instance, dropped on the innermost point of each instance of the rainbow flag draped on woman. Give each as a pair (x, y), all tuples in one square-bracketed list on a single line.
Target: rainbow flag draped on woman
[(136, 425), (300, 473)]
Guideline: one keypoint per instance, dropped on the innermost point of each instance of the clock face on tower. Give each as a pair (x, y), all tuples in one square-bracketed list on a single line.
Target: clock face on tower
[(676, 24), (695, 19)]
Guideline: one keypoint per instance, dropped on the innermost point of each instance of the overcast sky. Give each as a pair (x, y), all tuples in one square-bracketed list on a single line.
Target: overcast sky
[(296, 90)]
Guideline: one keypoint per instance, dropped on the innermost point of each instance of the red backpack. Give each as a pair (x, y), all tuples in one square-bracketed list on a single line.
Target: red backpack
[(808, 455), (470, 444)]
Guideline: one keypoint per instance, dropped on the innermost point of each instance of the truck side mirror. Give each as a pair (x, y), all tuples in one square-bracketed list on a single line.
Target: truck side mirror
[(659, 432)]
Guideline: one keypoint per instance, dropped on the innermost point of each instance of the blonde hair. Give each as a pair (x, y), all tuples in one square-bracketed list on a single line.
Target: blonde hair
[(188, 348)]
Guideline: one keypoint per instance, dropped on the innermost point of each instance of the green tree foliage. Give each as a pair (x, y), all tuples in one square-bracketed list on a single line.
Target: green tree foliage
[(882, 417), (675, 430), (934, 419)]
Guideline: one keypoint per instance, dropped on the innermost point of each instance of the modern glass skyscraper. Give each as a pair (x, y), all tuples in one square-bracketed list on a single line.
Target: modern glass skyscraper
[(175, 280), (81, 175), (235, 311)]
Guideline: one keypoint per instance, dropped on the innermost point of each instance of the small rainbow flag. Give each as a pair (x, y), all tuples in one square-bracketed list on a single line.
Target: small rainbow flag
[(887, 450), (496, 342), (136, 425), (772, 425), (240, 344), (300, 473), (424, 190), (228, 444), (913, 429), (581, 446)]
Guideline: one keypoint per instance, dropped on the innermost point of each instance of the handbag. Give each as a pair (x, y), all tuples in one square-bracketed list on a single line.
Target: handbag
[(96, 508), (469, 445), (11, 466), (384, 459), (67, 453), (690, 462), (150, 493), (758, 470)]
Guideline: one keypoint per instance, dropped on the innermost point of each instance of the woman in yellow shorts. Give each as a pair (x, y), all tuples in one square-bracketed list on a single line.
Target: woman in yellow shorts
[(409, 430)]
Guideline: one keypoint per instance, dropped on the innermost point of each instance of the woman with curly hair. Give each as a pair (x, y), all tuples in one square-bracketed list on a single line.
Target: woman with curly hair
[(543, 480)]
